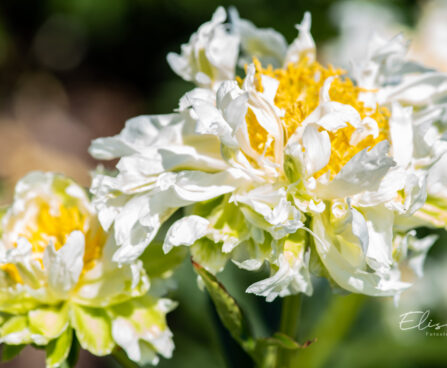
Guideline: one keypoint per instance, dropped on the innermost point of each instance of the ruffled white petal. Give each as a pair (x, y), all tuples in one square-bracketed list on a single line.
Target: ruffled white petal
[(64, 266)]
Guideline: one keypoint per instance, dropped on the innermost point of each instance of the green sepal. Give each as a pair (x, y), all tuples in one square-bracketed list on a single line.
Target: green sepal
[(93, 329), (58, 349), (11, 351), (228, 310)]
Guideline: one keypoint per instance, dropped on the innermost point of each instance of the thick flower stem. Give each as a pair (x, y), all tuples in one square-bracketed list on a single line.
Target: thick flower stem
[(289, 326)]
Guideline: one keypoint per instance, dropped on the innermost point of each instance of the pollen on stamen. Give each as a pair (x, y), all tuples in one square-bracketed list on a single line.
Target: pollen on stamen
[(54, 225), (298, 95)]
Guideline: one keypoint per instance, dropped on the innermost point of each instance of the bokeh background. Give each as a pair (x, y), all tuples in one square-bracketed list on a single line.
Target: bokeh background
[(73, 70)]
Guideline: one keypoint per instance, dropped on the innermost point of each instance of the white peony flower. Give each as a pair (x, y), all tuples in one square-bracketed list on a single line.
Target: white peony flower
[(57, 278), (294, 165)]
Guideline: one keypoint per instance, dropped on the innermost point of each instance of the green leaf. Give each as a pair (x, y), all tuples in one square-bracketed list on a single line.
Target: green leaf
[(11, 351), (228, 310), (57, 350), (93, 329)]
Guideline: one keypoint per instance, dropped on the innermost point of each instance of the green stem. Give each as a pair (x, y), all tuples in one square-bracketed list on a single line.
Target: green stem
[(120, 356), (289, 326), (331, 328)]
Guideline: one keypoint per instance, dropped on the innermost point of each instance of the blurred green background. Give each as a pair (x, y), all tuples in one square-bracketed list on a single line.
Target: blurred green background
[(73, 70)]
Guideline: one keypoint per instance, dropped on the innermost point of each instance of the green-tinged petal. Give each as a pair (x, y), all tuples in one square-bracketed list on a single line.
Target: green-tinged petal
[(139, 327), (228, 224), (432, 214), (93, 329), (101, 288), (148, 353), (110, 283), (48, 321), (18, 300), (209, 254), (15, 331), (58, 349), (290, 273)]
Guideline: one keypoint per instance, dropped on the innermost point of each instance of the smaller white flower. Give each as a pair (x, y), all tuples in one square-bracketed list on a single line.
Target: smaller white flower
[(57, 278)]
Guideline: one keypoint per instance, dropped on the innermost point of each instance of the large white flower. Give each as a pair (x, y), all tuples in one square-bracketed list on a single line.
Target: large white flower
[(285, 152), (57, 278)]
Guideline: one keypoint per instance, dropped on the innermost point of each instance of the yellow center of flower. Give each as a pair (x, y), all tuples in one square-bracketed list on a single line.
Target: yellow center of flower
[(298, 95), (49, 224)]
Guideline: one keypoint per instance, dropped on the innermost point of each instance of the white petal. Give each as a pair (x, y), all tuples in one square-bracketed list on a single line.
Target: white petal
[(64, 266), (287, 280), (265, 44), (420, 248), (362, 173), (185, 232), (380, 228), (317, 147), (401, 131), (352, 278), (360, 229), (210, 55), (303, 45), (140, 132)]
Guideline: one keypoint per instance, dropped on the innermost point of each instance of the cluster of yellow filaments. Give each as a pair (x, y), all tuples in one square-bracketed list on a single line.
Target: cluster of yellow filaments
[(50, 224), (298, 95)]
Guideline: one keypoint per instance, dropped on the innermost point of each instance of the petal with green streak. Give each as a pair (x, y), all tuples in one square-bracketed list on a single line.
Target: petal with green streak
[(209, 254), (15, 331), (142, 313), (57, 350), (48, 321), (16, 301), (103, 287), (93, 329), (143, 319), (226, 221)]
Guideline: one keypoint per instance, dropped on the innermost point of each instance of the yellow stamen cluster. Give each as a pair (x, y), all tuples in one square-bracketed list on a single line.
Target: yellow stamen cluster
[(298, 95), (55, 224), (257, 134)]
